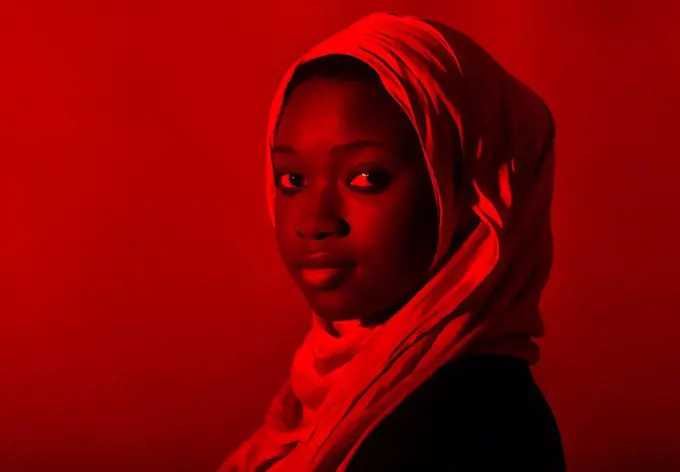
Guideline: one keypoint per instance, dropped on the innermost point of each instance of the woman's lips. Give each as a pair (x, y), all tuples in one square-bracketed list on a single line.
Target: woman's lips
[(324, 270), (326, 278)]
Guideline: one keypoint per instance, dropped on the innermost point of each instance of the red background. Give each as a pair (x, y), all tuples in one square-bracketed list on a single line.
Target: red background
[(146, 318)]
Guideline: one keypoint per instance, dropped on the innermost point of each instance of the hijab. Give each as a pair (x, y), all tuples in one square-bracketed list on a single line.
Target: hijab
[(477, 126)]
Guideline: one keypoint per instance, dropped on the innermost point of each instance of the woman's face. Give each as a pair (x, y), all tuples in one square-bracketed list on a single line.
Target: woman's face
[(356, 220)]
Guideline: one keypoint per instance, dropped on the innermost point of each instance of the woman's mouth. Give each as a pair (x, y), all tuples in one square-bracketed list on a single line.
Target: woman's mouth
[(327, 278), (324, 271)]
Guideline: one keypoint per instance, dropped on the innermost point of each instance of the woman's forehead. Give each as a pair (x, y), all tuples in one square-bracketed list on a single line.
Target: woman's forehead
[(340, 110)]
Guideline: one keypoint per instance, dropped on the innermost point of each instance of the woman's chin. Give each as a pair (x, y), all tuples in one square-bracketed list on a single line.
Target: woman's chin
[(334, 306), (334, 314)]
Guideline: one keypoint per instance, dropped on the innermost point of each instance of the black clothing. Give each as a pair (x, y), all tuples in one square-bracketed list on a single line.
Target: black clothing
[(483, 413)]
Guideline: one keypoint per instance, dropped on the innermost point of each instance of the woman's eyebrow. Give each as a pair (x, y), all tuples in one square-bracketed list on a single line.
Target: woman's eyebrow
[(341, 149), (289, 150), (357, 145)]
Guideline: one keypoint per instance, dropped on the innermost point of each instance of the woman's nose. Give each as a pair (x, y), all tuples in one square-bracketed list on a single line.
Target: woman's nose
[(321, 218), (322, 227)]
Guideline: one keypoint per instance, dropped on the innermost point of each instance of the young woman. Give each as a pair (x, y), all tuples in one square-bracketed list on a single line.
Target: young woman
[(410, 181)]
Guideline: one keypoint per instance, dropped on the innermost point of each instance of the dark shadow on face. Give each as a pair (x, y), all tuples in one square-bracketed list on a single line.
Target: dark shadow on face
[(356, 219)]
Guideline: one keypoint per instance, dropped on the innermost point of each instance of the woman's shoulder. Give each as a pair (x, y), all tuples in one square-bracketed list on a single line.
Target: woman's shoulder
[(473, 414)]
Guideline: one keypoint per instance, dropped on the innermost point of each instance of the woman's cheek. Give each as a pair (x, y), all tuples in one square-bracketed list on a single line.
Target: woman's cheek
[(378, 228)]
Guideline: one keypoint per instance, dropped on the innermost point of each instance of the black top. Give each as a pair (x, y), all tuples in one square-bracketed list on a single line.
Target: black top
[(483, 413)]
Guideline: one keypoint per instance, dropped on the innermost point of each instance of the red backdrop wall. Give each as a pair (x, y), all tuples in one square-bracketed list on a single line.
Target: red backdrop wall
[(146, 318)]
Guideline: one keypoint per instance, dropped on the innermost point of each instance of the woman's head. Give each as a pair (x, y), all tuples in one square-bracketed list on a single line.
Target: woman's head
[(355, 213)]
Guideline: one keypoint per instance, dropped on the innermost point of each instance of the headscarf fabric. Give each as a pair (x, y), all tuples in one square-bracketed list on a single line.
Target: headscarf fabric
[(473, 118)]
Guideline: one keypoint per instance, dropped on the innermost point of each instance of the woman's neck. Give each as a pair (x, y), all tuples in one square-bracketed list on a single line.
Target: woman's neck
[(339, 329)]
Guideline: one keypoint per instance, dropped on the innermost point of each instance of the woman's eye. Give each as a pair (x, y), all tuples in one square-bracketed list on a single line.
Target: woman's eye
[(373, 180), (291, 181)]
